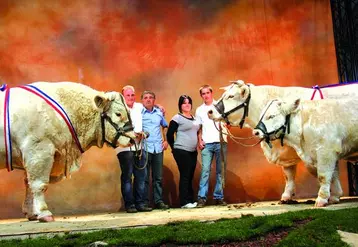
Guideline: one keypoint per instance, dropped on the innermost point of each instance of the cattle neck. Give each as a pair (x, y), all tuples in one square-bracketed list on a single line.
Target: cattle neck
[(260, 96)]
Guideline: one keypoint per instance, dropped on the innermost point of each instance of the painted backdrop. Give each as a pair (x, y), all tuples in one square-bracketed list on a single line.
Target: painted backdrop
[(171, 47)]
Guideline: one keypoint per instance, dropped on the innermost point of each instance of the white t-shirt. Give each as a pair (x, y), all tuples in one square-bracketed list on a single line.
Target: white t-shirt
[(136, 116), (210, 133)]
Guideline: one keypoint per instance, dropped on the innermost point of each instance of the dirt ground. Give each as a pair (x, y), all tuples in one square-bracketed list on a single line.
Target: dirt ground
[(22, 228)]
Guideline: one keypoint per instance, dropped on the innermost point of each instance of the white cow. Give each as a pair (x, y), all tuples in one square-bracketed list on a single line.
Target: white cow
[(321, 132), (239, 96), (41, 140)]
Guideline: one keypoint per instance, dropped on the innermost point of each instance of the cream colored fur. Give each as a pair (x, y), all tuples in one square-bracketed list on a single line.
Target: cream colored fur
[(322, 132), (41, 141), (285, 156)]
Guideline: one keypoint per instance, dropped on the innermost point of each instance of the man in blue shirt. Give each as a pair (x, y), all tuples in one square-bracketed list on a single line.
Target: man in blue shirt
[(153, 121)]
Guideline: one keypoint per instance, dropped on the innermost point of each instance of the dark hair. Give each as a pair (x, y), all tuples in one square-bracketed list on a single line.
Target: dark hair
[(181, 101)]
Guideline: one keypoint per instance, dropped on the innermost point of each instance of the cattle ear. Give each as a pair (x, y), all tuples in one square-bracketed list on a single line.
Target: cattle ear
[(225, 88), (294, 104), (238, 82), (101, 101)]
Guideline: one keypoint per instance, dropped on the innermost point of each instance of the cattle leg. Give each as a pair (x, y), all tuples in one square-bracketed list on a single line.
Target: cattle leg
[(38, 164), (290, 187), (336, 188), (27, 206), (325, 173)]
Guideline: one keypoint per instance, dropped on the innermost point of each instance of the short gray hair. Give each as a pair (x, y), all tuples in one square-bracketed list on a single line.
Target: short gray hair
[(128, 87), (147, 92)]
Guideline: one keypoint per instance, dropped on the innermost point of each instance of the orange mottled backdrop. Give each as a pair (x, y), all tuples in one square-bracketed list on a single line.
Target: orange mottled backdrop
[(171, 47)]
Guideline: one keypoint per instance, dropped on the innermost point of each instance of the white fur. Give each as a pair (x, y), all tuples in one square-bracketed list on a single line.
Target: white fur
[(322, 132), (284, 156), (42, 144)]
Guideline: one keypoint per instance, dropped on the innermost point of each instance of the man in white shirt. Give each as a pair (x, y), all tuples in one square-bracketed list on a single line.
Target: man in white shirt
[(209, 143), (134, 199)]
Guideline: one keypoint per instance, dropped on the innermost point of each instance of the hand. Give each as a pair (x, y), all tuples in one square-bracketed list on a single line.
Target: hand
[(201, 145), (164, 145), (161, 108)]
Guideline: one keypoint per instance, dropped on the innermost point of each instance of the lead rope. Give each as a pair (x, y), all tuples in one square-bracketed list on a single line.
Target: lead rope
[(235, 138), (139, 153), (223, 160)]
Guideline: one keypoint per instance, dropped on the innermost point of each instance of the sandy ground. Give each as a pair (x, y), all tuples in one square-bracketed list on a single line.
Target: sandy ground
[(22, 228)]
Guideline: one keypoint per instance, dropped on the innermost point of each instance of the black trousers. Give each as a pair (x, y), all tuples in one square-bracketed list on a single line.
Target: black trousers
[(186, 162)]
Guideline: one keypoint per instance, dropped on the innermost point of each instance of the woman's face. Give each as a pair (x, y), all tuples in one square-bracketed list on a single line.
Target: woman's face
[(186, 106)]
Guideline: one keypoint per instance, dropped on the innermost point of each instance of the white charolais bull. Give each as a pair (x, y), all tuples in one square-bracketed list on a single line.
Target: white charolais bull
[(36, 137), (240, 95), (321, 132)]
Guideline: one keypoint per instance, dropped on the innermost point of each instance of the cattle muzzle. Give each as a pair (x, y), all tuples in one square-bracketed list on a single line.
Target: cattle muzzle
[(219, 106), (121, 131), (275, 134)]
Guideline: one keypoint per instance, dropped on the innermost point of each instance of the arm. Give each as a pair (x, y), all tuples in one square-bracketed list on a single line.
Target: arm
[(173, 128), (201, 143), (165, 143)]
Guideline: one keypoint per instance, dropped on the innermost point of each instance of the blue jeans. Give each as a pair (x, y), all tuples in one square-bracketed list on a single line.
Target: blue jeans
[(154, 167), (210, 150), (130, 166)]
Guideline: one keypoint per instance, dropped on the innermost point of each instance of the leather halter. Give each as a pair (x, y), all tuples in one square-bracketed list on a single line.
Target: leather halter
[(261, 126), (121, 131), (221, 109)]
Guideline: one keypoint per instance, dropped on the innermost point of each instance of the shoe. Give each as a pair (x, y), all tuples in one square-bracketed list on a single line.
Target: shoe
[(161, 205), (131, 210), (201, 203), (144, 209), (220, 202), (189, 205)]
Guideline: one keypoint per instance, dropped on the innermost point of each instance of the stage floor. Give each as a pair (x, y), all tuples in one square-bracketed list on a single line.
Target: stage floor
[(22, 228)]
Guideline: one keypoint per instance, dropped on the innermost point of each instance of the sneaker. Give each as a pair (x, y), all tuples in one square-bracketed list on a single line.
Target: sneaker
[(144, 209), (201, 203), (220, 202), (161, 205), (189, 205)]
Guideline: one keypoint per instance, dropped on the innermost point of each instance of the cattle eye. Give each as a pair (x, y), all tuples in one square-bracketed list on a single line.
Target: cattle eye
[(270, 117), (118, 114), (231, 96)]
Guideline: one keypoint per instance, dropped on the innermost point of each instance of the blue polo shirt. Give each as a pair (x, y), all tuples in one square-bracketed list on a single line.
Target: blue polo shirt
[(152, 122)]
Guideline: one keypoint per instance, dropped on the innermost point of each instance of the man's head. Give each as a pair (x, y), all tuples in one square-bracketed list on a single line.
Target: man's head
[(148, 99), (129, 95), (206, 92)]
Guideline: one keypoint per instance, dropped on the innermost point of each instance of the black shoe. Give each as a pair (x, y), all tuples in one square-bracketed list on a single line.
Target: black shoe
[(201, 203), (131, 210), (144, 209), (220, 202), (161, 205)]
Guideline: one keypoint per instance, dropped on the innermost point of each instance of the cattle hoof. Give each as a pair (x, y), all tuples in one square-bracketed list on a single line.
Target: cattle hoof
[(333, 200), (47, 219), (32, 218), (320, 204)]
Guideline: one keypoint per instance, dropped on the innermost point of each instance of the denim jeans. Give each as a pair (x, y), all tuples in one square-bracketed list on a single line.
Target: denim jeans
[(155, 168), (130, 165), (210, 150)]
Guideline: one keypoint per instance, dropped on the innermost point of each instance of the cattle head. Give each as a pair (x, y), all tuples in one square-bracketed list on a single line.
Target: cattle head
[(233, 106), (275, 120), (116, 124)]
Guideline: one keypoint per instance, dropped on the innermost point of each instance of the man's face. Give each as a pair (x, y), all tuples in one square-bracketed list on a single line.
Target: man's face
[(129, 97), (148, 101), (207, 95)]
